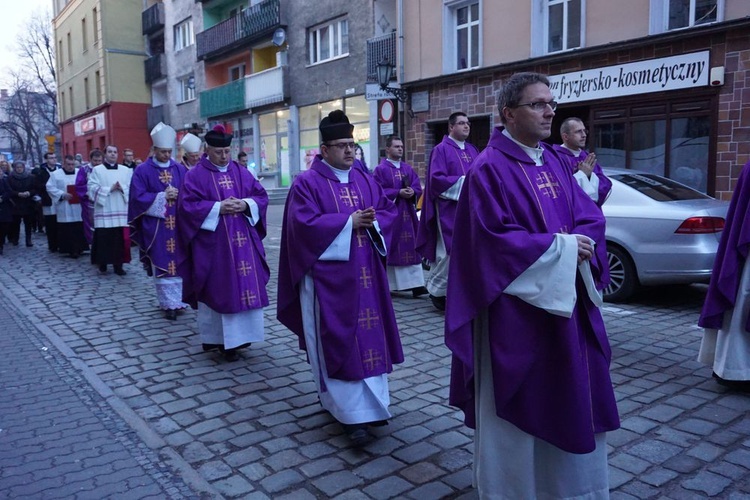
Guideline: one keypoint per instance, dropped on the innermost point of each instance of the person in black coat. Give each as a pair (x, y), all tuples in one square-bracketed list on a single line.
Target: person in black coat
[(6, 210), (22, 192)]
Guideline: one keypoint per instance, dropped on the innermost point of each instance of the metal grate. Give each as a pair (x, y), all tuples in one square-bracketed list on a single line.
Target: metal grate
[(379, 47)]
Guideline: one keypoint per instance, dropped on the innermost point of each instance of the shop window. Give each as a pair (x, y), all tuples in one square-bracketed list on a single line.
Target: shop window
[(329, 41), (672, 142), (462, 35), (667, 15)]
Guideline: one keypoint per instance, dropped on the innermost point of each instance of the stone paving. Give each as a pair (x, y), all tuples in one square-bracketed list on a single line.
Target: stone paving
[(254, 429)]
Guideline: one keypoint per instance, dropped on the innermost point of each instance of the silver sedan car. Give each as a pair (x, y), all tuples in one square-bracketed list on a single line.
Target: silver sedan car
[(658, 232)]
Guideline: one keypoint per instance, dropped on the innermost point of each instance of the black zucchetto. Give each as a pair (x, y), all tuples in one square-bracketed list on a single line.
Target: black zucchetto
[(336, 126)]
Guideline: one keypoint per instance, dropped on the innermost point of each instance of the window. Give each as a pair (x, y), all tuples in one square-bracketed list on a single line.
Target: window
[(183, 35), (187, 88), (671, 140), (669, 15), (237, 72), (70, 96), (70, 50), (98, 83), (86, 98), (563, 25), (467, 37), (62, 105), (84, 35), (462, 34), (60, 52), (329, 41), (95, 25)]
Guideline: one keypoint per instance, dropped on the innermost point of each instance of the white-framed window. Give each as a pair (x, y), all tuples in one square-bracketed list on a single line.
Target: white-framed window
[(564, 24), (462, 29), (186, 88), (668, 15), (328, 41), (236, 72), (184, 35)]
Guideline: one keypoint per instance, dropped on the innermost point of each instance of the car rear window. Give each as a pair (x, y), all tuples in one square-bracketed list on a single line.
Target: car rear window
[(659, 188)]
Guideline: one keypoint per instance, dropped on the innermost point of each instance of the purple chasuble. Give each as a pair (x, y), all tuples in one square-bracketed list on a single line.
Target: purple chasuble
[(87, 207), (402, 251), (155, 236), (730, 257), (358, 328), (605, 185), (551, 374), (447, 164), (225, 269)]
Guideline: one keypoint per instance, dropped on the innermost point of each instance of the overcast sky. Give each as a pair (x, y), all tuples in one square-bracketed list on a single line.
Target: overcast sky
[(15, 15)]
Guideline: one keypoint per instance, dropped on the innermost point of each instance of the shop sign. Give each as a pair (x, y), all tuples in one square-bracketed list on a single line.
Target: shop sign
[(87, 125), (642, 77)]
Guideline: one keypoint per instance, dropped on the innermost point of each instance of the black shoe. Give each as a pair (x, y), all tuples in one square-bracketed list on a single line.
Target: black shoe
[(171, 314), (357, 434), (29, 244), (378, 423), (231, 355), (15, 243), (119, 271), (1, 250), (103, 268), (735, 385), (418, 291), (438, 302)]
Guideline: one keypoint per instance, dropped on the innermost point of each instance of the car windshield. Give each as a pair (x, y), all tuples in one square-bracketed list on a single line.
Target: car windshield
[(658, 188)]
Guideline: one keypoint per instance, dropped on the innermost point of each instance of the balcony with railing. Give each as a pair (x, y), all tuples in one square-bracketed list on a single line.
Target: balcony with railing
[(155, 67), (156, 114), (222, 100), (266, 87), (152, 19), (378, 48), (250, 25)]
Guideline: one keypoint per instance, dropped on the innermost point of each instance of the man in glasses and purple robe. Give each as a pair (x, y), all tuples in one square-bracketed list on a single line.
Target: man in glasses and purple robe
[(584, 167), (333, 287), (449, 162), (152, 216), (530, 352), (221, 221)]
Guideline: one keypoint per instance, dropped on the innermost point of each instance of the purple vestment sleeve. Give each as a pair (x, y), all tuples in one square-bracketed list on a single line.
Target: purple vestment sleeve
[(551, 374), (447, 164), (731, 257)]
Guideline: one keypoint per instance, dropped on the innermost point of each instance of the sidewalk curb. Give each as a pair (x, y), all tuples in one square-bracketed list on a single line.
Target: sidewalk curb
[(147, 435)]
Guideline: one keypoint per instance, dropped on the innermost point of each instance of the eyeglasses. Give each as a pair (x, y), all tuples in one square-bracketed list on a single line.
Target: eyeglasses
[(342, 145), (539, 105)]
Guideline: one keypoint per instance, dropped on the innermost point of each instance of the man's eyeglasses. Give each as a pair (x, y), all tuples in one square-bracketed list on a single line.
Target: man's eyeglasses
[(342, 145), (539, 105)]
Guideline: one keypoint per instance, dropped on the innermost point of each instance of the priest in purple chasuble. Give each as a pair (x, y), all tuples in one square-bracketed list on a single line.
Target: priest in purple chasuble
[(401, 185), (221, 221), (333, 287), (726, 311), (584, 167), (449, 162), (152, 216), (87, 207), (530, 351)]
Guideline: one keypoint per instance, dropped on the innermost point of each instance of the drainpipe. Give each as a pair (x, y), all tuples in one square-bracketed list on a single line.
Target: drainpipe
[(400, 57)]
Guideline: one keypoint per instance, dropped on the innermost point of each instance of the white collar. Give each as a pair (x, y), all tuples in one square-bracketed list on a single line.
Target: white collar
[(534, 153)]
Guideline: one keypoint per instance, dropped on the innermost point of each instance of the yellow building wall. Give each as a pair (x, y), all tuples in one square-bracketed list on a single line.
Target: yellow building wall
[(264, 59), (125, 51)]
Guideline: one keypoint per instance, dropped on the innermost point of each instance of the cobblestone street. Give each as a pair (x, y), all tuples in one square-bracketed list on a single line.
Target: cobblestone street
[(183, 423)]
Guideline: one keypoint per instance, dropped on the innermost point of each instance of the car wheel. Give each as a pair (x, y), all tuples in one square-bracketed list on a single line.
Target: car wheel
[(623, 278)]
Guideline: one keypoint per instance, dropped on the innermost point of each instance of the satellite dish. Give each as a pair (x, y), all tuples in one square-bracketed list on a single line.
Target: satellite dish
[(279, 37)]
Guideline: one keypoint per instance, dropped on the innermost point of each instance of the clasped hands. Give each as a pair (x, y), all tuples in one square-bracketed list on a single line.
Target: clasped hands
[(406, 192), (171, 193), (585, 248), (587, 165), (232, 205), (363, 218)]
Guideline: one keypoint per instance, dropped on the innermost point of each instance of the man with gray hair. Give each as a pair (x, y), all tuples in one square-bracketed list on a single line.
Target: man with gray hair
[(530, 351)]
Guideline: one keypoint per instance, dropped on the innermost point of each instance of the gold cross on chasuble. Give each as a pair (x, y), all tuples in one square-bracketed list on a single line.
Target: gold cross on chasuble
[(169, 222), (239, 239), (368, 319), (405, 236), (247, 297), (165, 176), (361, 238), (465, 157), (226, 182), (372, 359), (405, 216), (406, 255), (171, 244), (547, 184), (243, 268), (348, 196), (366, 279), (172, 268)]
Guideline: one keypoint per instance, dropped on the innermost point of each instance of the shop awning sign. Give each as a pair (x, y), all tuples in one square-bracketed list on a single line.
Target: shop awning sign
[(642, 77)]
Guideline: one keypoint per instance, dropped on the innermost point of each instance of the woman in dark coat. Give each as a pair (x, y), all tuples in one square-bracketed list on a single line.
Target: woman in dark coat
[(6, 210), (22, 193)]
